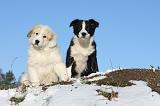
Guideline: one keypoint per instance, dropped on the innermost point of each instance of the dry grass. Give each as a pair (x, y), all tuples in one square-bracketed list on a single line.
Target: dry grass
[(108, 95), (6, 86), (121, 78), (16, 101), (45, 87)]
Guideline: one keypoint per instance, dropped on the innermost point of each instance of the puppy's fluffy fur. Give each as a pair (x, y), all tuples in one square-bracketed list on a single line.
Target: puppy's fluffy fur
[(45, 64)]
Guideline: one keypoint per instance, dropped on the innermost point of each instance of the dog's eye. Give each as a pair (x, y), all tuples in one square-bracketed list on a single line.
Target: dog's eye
[(44, 36), (36, 33)]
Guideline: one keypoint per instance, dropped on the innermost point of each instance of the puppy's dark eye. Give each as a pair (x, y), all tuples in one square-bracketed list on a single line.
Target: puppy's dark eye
[(36, 33), (44, 36)]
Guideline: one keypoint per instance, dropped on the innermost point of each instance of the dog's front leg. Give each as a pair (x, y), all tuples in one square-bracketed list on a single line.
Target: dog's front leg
[(94, 65), (61, 72), (33, 76)]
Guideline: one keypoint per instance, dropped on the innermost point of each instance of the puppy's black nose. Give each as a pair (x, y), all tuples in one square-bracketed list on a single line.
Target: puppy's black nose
[(83, 34), (36, 42)]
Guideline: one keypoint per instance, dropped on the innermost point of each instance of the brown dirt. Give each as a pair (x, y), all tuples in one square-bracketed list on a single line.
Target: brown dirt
[(121, 78), (45, 87)]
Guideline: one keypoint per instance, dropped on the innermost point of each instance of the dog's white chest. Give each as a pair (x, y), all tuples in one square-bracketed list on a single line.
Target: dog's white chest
[(80, 55), (44, 58), (77, 49), (40, 59), (80, 51)]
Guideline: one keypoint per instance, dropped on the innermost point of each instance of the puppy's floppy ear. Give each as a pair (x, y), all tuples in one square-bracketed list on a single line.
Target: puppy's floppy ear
[(50, 36), (94, 23), (74, 22), (29, 34), (52, 40)]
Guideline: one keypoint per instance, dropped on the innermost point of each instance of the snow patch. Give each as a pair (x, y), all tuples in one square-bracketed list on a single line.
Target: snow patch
[(78, 94)]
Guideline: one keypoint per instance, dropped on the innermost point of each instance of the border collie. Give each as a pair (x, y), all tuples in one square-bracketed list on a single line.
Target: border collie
[(81, 54)]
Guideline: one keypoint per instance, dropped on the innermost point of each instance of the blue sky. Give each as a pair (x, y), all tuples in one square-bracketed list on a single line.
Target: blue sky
[(129, 31)]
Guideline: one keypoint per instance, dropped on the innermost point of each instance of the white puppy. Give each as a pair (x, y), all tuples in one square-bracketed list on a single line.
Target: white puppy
[(45, 64)]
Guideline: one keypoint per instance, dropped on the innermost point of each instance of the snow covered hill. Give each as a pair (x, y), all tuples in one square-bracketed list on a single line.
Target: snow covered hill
[(79, 93)]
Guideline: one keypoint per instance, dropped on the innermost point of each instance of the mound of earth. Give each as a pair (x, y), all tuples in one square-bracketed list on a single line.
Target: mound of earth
[(122, 78)]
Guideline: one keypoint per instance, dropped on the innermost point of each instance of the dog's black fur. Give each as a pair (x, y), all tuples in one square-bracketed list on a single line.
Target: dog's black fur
[(92, 66)]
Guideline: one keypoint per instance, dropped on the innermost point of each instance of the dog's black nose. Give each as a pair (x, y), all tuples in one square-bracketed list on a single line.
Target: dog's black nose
[(83, 34), (36, 42)]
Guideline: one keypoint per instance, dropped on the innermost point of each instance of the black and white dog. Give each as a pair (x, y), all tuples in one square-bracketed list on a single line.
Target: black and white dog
[(81, 54)]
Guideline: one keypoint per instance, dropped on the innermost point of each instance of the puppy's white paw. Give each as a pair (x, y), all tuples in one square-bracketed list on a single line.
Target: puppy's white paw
[(65, 77)]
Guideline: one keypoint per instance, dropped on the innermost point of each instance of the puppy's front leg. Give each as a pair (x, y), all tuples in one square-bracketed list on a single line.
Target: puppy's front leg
[(33, 76), (61, 71)]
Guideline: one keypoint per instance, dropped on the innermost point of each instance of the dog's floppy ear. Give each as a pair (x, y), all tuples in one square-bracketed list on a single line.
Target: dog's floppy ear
[(94, 23), (29, 34), (50, 36), (52, 40), (74, 22)]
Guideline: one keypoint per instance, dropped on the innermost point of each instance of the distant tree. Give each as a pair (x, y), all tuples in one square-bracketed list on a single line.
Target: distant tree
[(1, 75), (0, 70), (8, 80), (9, 77)]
